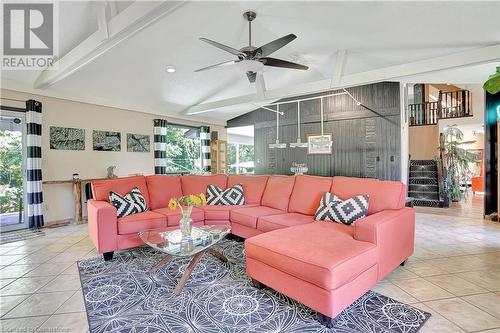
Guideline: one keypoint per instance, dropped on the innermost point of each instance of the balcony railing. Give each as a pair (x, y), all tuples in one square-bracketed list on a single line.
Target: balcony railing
[(450, 104)]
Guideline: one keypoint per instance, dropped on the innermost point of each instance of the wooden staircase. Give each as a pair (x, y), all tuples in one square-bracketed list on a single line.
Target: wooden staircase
[(423, 184)]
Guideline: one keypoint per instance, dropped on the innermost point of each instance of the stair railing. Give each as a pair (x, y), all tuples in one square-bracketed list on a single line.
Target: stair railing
[(423, 114), (455, 104), (450, 104)]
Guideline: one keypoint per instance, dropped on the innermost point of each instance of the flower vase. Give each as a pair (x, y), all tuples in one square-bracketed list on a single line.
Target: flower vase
[(185, 225)]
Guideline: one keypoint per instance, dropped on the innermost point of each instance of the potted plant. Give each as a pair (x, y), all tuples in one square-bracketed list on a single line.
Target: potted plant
[(456, 160)]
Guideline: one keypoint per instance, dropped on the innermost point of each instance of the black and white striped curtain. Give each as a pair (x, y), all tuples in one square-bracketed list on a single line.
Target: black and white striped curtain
[(205, 148), (160, 146), (34, 164)]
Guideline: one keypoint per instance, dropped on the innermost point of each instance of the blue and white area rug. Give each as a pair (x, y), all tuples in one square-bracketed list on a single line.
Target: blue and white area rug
[(121, 296)]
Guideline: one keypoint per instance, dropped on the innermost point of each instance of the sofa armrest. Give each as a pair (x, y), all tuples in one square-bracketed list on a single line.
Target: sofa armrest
[(103, 225), (393, 231)]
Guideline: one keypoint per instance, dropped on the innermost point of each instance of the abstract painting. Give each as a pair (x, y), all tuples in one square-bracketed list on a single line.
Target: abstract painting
[(106, 140), (65, 138), (138, 143)]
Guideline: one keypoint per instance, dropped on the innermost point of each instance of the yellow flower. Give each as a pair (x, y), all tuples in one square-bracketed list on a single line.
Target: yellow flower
[(195, 200), (203, 199), (172, 204)]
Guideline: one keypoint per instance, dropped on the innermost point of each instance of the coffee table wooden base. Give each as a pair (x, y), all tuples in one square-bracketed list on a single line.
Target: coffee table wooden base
[(189, 268)]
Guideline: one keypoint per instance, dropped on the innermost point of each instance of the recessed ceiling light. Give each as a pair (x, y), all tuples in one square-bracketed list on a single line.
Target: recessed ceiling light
[(170, 69)]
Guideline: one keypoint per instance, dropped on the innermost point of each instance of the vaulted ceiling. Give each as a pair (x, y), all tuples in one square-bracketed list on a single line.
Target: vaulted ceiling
[(374, 35)]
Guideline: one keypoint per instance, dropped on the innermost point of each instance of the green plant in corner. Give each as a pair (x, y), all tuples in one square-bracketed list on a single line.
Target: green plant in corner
[(493, 84), (457, 160)]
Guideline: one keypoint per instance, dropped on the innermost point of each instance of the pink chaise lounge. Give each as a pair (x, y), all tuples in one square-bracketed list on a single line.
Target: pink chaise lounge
[(324, 265)]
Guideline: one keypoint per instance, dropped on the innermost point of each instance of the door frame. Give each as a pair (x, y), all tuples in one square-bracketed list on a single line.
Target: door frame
[(22, 116)]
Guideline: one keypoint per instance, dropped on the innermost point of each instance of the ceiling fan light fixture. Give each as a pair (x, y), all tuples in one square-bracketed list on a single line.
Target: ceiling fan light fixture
[(252, 59), (251, 66)]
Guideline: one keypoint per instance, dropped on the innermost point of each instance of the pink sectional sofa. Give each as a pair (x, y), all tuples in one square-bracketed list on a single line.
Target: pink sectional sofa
[(324, 265)]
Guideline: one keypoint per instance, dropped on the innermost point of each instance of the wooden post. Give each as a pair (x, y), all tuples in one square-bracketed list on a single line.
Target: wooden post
[(77, 198)]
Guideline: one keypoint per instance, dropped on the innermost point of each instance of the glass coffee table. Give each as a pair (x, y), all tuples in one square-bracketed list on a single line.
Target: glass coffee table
[(172, 243)]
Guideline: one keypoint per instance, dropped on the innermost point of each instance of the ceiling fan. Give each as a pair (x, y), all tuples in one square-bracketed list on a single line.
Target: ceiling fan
[(252, 58)]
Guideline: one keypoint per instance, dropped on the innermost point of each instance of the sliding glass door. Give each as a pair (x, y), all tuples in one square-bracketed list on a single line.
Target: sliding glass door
[(12, 171)]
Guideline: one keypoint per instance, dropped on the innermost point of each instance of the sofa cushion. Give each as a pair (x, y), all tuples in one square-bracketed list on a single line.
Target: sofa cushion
[(383, 194), (347, 211), (135, 223), (253, 186), (220, 212), (194, 184), (131, 203), (101, 188), (231, 196), (248, 216), (274, 222), (175, 215), (321, 253), (277, 192), (162, 188), (307, 193)]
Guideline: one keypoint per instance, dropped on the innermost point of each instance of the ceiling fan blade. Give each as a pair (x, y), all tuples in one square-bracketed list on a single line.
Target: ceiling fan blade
[(222, 64), (281, 63), (251, 76), (223, 47), (275, 45)]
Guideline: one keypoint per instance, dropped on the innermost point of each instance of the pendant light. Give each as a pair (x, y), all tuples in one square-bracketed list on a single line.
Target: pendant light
[(277, 144), (299, 143), (324, 139)]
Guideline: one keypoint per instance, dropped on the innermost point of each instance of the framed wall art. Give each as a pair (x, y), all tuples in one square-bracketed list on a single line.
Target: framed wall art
[(319, 144), (138, 143), (106, 140), (67, 138)]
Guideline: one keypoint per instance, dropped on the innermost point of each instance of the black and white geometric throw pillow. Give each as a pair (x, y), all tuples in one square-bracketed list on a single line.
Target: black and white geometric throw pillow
[(332, 208), (229, 197), (131, 203)]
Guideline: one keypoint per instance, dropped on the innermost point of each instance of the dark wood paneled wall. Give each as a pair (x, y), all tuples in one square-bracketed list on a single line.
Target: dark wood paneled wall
[(364, 144)]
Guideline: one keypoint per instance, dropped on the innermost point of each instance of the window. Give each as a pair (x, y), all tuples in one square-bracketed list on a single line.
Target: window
[(183, 148), (240, 158), (12, 166), (240, 150)]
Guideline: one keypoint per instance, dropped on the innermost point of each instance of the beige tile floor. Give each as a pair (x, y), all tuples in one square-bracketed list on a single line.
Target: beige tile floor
[(454, 274)]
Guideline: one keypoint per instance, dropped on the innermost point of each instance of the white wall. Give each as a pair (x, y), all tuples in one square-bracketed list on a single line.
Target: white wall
[(61, 164)]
